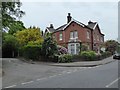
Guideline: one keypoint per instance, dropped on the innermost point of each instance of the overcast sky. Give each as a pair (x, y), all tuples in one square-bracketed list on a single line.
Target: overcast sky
[(41, 14)]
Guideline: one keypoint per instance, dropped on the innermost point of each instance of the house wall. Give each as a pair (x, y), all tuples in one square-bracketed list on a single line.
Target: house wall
[(82, 35), (97, 36), (94, 42)]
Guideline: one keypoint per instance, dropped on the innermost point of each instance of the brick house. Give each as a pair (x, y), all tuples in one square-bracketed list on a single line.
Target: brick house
[(73, 34)]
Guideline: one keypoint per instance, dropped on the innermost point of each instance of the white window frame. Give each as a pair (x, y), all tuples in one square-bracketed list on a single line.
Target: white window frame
[(101, 39), (71, 35), (88, 35), (98, 37), (73, 48), (60, 36), (74, 34)]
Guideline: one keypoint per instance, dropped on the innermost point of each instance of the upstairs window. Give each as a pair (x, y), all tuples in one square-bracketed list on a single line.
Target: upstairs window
[(73, 35), (97, 37), (101, 39), (60, 36), (88, 35)]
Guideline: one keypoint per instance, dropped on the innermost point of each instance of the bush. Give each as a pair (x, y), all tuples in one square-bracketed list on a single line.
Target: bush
[(88, 55), (9, 46), (49, 46), (65, 58), (106, 54), (62, 50), (32, 52)]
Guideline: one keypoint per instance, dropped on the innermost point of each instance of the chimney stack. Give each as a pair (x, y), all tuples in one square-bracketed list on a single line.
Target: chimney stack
[(90, 22), (68, 18), (51, 26)]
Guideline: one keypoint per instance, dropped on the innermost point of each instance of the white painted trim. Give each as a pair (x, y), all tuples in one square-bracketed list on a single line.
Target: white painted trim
[(69, 48), (95, 26), (74, 21), (47, 30)]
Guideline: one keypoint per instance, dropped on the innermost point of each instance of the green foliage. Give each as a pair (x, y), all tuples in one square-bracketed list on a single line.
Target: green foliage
[(88, 55), (84, 47), (111, 46), (32, 51), (10, 12), (16, 26), (65, 58), (106, 54), (10, 46), (29, 36), (49, 46), (118, 48)]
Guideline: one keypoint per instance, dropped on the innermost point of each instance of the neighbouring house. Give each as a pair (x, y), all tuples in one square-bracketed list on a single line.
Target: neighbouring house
[(73, 34)]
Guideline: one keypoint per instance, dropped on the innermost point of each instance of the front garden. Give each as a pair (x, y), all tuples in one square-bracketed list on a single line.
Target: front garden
[(49, 51), (32, 45)]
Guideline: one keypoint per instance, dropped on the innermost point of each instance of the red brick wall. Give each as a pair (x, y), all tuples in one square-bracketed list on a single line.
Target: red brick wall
[(82, 34), (97, 38)]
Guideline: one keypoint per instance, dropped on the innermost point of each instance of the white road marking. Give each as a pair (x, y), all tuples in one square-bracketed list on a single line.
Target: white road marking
[(52, 76), (59, 74), (11, 86), (27, 82), (112, 83), (68, 72), (41, 79)]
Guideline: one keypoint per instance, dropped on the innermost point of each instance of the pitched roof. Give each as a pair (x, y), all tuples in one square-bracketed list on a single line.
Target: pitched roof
[(61, 27), (66, 25), (50, 29), (92, 25)]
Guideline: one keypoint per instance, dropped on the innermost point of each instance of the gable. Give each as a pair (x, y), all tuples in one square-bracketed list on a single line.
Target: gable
[(76, 23), (97, 28)]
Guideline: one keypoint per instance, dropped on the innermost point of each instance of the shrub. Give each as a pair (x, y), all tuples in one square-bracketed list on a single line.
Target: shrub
[(32, 52), (62, 50), (9, 46), (65, 58), (106, 54), (49, 46), (84, 47), (88, 55)]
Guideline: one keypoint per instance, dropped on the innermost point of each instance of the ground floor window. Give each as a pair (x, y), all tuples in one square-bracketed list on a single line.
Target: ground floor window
[(74, 48)]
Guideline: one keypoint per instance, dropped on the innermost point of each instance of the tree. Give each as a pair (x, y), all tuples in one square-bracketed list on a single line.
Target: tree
[(111, 46), (29, 36), (49, 46), (11, 12), (10, 46), (16, 26)]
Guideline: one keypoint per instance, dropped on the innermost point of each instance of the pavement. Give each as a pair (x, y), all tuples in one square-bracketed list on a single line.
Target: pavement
[(82, 63)]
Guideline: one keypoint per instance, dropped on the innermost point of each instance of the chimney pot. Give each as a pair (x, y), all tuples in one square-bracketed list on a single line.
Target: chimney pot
[(90, 22), (51, 26), (68, 18)]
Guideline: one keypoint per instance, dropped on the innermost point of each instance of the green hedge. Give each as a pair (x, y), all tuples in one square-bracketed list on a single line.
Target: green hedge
[(106, 54), (65, 58), (88, 55), (32, 51)]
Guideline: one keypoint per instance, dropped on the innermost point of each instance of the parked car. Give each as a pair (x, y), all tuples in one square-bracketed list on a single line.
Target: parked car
[(116, 56)]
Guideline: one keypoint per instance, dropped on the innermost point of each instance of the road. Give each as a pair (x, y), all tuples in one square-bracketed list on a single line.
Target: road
[(103, 76)]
